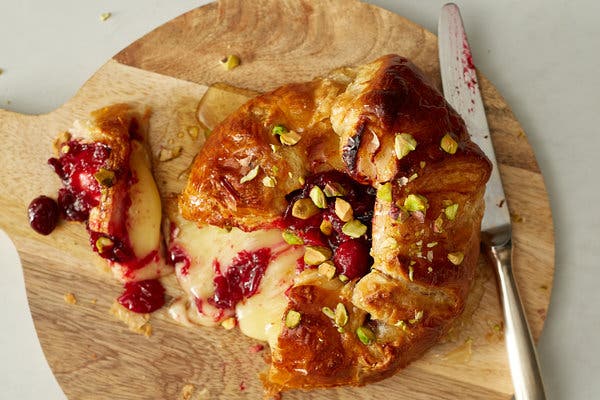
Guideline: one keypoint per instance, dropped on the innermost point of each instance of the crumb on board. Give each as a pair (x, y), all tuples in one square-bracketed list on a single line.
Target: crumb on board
[(138, 323), (516, 218), (167, 154), (460, 354), (60, 140), (187, 391), (93, 301), (193, 131), (70, 298)]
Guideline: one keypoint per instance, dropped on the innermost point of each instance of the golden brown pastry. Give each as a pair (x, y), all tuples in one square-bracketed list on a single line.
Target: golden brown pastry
[(375, 175)]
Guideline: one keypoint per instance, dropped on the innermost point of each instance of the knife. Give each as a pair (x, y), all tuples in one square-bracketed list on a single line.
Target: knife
[(461, 89)]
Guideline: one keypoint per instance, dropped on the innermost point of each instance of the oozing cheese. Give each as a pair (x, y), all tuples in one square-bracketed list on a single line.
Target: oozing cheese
[(209, 248)]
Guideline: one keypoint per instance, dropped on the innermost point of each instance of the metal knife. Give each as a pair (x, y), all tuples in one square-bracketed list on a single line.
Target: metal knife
[(461, 89)]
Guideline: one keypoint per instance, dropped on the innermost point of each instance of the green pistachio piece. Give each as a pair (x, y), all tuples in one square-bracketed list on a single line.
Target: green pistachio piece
[(343, 209), (250, 175), (315, 255), (328, 312), (411, 272), (334, 189), (448, 144), (304, 209), (292, 319), (291, 238), (230, 61), (415, 202), (354, 228), (318, 197), (404, 143), (438, 225), (456, 258), (343, 278), (278, 130), (102, 243), (290, 138), (417, 318), (385, 192), (326, 227), (365, 335), (327, 269), (105, 177), (269, 181), (341, 315), (450, 211)]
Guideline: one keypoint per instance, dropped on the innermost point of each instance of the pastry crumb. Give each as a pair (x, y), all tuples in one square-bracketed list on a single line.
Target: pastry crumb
[(138, 323), (187, 391), (93, 301), (70, 298), (193, 131)]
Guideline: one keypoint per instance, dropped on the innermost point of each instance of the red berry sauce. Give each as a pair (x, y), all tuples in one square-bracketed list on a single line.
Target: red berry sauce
[(240, 279), (143, 296), (76, 168), (43, 214), (350, 255)]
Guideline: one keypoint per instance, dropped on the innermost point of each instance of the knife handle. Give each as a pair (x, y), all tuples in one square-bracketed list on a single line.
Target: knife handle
[(522, 356)]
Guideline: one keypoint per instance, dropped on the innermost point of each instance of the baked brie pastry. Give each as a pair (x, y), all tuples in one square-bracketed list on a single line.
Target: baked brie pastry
[(370, 177), (105, 170)]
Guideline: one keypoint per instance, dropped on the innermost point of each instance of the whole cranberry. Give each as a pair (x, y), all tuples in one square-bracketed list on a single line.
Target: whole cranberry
[(43, 214), (352, 258), (143, 296)]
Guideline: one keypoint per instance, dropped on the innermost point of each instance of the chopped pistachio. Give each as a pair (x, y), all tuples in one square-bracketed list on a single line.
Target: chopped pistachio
[(105, 16), (326, 227), (404, 143), (430, 256), (315, 255), (431, 244), (448, 144), (343, 209), (229, 323), (292, 319), (167, 154), (290, 138), (269, 181), (341, 315), (354, 228), (340, 329), (450, 211), (291, 238), (422, 164), (301, 180), (65, 149), (230, 61), (278, 130), (429, 269), (389, 243), (318, 197), (365, 335), (334, 189), (193, 131), (385, 192), (304, 208), (343, 278), (413, 177), (411, 272), (438, 225), (274, 149), (415, 202), (401, 324), (417, 318), (102, 243), (456, 258), (327, 269), (328, 312), (250, 175), (275, 169), (105, 177)]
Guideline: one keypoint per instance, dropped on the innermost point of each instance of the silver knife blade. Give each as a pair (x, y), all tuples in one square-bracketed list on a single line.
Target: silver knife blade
[(461, 89)]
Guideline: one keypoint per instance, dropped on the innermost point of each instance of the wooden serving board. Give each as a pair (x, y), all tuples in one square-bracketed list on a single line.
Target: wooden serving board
[(95, 357)]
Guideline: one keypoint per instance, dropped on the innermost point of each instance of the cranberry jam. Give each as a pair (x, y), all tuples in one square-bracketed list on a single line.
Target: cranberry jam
[(325, 228), (76, 167), (241, 279), (143, 296)]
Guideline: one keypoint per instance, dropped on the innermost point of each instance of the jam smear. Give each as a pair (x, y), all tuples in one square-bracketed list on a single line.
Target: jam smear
[(43, 214), (350, 255), (76, 167), (143, 296), (240, 279)]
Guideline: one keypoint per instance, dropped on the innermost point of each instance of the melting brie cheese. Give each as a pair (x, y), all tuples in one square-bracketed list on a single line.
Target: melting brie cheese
[(208, 249)]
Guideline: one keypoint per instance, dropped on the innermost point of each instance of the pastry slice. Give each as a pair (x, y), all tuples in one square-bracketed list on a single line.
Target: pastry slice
[(105, 169), (371, 175)]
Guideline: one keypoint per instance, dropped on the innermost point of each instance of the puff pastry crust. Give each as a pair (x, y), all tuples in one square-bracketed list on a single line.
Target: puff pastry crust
[(424, 254)]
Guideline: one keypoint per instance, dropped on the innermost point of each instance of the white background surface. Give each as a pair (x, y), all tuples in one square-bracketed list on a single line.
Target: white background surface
[(543, 56)]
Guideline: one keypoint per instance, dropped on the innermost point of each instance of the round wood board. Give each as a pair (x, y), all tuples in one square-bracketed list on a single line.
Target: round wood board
[(95, 357)]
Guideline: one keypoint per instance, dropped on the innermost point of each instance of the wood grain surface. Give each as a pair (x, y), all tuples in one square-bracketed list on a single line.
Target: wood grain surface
[(95, 357)]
